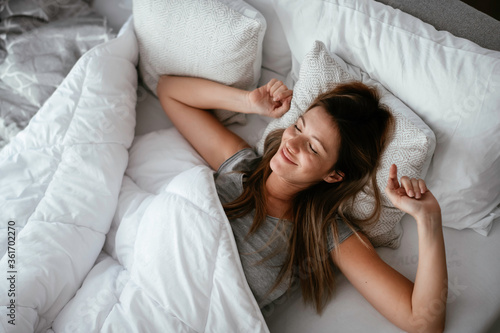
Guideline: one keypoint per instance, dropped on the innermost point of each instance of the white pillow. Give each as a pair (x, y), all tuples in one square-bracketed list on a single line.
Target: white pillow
[(276, 54), (220, 40), (411, 146), (450, 82)]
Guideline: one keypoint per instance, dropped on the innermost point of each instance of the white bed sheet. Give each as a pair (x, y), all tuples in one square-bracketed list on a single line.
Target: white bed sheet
[(473, 296)]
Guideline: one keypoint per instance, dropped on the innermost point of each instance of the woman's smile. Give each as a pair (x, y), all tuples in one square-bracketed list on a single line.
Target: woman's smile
[(286, 156)]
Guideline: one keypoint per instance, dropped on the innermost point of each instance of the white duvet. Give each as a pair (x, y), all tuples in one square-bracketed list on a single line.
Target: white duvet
[(107, 241)]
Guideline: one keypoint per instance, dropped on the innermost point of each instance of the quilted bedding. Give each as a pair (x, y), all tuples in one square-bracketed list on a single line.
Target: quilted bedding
[(39, 44), (169, 262)]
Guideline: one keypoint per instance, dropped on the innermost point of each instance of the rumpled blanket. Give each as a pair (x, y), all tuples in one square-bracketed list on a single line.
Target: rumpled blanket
[(40, 41), (102, 236), (60, 181)]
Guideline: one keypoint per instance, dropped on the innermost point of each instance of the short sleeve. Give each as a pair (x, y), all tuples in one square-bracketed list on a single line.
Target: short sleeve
[(243, 160), (343, 232), (229, 178)]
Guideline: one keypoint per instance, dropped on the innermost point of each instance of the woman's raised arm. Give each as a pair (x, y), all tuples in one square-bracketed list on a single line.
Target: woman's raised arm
[(185, 101), (414, 307)]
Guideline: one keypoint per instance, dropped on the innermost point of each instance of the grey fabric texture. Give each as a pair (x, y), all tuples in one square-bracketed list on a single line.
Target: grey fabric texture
[(42, 10), (455, 17), (39, 44), (253, 249)]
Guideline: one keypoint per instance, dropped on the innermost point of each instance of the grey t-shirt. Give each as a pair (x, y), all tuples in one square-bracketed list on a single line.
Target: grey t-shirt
[(260, 276)]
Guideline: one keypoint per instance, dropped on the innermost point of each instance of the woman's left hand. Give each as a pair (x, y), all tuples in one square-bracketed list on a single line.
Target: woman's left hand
[(411, 196)]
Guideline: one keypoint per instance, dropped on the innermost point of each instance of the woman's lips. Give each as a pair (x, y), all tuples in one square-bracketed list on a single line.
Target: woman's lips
[(285, 156)]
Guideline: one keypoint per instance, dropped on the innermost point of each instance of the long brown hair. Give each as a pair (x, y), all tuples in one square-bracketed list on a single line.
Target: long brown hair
[(364, 125)]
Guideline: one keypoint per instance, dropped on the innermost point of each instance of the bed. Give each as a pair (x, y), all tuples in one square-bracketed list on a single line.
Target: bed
[(110, 220)]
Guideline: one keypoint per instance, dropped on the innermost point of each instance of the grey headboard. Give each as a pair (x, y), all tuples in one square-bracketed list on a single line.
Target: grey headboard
[(456, 17)]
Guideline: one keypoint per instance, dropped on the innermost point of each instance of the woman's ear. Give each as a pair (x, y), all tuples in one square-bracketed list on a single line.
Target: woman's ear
[(334, 177)]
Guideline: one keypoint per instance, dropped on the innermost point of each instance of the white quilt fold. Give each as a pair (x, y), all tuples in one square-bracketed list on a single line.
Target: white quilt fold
[(170, 262), (59, 184), (185, 275)]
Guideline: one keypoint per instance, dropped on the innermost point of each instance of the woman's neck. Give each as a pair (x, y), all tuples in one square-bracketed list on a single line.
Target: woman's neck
[(279, 196)]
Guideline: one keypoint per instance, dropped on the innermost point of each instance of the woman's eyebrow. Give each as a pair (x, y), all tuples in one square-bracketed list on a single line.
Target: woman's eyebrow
[(313, 136)]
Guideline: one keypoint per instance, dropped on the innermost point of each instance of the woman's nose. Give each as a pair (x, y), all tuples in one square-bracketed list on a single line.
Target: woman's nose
[(293, 144)]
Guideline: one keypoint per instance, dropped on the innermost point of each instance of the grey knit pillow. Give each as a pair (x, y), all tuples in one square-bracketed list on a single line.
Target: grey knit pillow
[(410, 148), (220, 40)]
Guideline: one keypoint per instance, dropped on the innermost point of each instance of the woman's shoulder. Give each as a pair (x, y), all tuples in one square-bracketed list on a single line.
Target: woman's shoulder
[(243, 160), (343, 232), (230, 176)]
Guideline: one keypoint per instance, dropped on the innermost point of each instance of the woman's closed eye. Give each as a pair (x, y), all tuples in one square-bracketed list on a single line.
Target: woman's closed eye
[(310, 146)]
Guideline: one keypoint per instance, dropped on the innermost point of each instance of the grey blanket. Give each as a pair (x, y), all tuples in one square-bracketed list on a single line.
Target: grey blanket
[(40, 41)]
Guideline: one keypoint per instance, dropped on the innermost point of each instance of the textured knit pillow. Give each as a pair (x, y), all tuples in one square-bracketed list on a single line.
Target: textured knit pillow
[(410, 147), (219, 40)]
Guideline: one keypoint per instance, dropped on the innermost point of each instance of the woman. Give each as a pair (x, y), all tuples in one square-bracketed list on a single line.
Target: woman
[(287, 207)]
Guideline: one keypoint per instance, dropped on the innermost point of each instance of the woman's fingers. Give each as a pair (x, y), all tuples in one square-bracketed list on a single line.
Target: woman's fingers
[(414, 187), (270, 84), (392, 182), (282, 93), (286, 105), (274, 85), (278, 90), (422, 186), (280, 108), (406, 184)]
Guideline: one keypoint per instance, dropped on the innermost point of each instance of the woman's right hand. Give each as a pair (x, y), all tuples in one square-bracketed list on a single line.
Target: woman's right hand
[(272, 100)]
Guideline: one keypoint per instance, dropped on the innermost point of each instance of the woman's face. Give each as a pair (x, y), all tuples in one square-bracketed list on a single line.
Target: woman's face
[(308, 150)]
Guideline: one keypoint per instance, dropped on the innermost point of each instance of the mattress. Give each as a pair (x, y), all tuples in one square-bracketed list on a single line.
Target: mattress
[(473, 295)]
